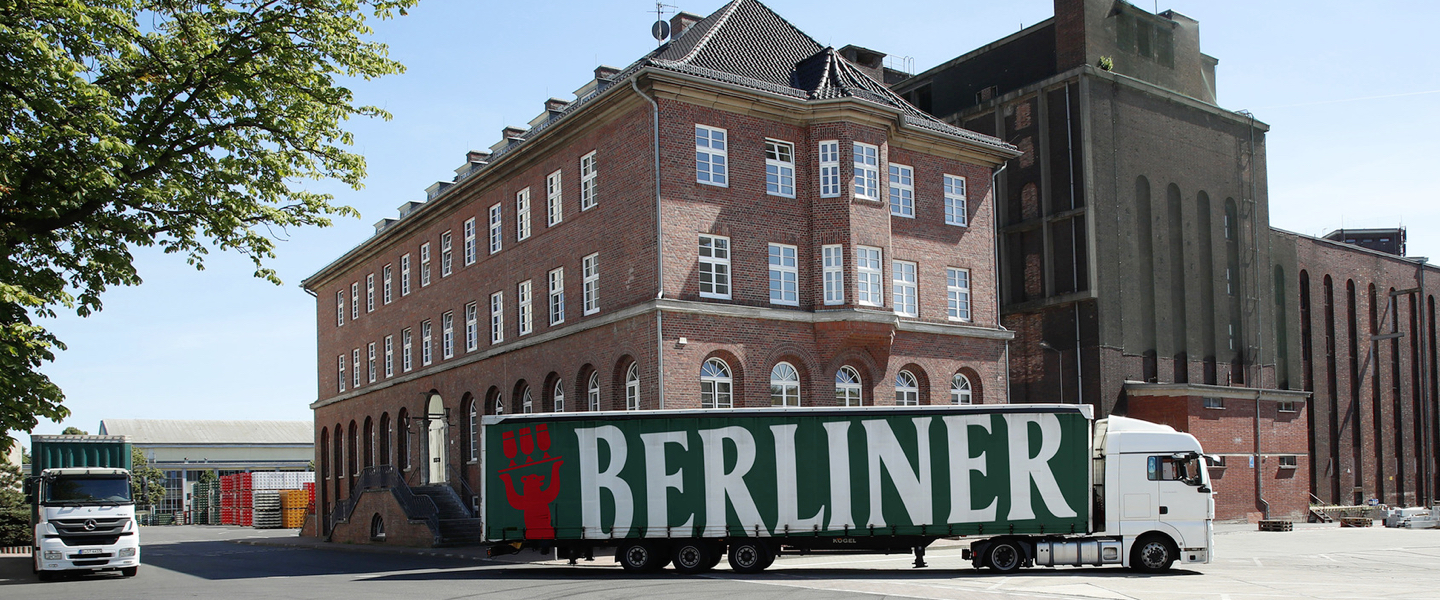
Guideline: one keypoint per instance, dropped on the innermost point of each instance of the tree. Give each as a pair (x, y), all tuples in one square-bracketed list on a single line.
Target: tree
[(74, 431), (187, 125), (14, 513), (147, 483)]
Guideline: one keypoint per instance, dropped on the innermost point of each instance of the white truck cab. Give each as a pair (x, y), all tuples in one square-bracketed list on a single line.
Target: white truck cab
[(84, 521), (1156, 491)]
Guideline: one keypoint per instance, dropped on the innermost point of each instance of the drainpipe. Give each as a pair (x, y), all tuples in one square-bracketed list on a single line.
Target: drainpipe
[(1074, 252), (995, 256), (1259, 464), (659, 243)]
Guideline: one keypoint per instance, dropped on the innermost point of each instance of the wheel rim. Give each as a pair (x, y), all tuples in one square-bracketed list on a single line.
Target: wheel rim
[(1154, 555), (747, 556), (1004, 557), (637, 556), (688, 557)]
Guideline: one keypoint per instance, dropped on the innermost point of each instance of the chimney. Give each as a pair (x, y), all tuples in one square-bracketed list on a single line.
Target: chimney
[(681, 22), (872, 63), (603, 76), (474, 159), (554, 107)]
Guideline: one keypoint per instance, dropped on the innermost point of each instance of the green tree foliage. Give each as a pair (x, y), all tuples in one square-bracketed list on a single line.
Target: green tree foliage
[(14, 513), (147, 483), (182, 124), (74, 431)]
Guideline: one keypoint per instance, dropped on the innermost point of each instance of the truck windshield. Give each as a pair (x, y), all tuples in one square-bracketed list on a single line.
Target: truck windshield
[(76, 490), (1187, 470)]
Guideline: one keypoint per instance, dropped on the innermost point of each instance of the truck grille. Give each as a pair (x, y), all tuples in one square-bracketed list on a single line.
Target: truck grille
[(89, 527), (89, 540)]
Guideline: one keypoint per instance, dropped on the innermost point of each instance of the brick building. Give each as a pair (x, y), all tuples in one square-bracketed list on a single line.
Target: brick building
[(723, 223), (1140, 272)]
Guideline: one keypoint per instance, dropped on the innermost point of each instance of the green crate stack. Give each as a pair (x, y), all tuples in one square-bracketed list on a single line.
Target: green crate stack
[(214, 514), (200, 503)]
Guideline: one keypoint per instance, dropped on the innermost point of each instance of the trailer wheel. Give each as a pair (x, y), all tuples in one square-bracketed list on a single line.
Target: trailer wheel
[(694, 556), (1004, 556), (639, 557), (749, 556), (1152, 553)]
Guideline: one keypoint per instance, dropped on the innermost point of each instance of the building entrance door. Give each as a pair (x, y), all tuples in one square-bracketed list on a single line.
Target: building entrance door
[(437, 434)]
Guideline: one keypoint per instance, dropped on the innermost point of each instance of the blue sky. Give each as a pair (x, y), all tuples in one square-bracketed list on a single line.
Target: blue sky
[(1351, 97)]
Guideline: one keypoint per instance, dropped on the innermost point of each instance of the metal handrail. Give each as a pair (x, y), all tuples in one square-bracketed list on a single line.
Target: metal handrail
[(383, 477), (466, 493)]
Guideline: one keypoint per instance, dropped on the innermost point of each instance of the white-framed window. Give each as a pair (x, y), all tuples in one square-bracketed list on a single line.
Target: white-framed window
[(340, 309), (784, 385), (1285, 406), (829, 169), (905, 281), (522, 214), (711, 156), (340, 373), (474, 431), (425, 336), (632, 387), (588, 174), (446, 254), (355, 373), (405, 275), (386, 286), (590, 283), (907, 390), (780, 168), (592, 392), (499, 405), (960, 389), (469, 233), (554, 207), (867, 171), (784, 275), (714, 267), (370, 293), (716, 385), (956, 208), (447, 335), (389, 356), (832, 266), (424, 264), (527, 404), (405, 346), (355, 301), (957, 291), (902, 190), (524, 299), (557, 296), (847, 387), (496, 228), (1288, 461), (1212, 402), (371, 372), (472, 326), (497, 317), (557, 396), (869, 291)]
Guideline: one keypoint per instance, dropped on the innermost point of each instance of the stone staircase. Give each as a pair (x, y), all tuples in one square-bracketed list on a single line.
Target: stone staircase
[(457, 527)]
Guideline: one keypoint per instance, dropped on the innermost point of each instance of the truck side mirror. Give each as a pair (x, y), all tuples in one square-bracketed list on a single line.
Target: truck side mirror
[(1204, 489)]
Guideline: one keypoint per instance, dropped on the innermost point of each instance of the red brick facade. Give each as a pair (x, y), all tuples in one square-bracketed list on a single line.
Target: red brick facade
[(650, 310)]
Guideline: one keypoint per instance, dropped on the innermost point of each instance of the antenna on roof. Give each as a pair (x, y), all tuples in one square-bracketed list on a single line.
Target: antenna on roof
[(661, 29)]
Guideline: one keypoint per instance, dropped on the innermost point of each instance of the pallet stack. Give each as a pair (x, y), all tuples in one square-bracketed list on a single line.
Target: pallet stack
[(266, 509)]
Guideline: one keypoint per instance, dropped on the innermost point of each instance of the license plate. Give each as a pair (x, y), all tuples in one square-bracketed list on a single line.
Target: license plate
[(91, 551)]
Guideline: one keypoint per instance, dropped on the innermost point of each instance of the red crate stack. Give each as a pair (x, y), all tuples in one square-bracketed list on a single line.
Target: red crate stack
[(310, 488)]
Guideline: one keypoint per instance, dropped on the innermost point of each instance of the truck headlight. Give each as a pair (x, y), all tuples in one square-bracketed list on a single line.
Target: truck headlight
[(53, 555), (126, 552)]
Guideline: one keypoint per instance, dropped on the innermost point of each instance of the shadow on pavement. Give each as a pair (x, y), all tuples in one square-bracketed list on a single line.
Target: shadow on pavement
[(219, 560)]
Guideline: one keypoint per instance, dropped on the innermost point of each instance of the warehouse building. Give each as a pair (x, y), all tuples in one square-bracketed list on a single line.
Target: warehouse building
[(723, 223), (184, 449)]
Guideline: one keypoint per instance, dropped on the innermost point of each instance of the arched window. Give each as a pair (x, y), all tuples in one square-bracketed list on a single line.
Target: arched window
[(847, 387), (339, 452), (784, 385), (402, 449), (474, 430), (558, 396), (632, 387), (356, 446), (592, 392), (715, 384), (369, 455), (385, 439), (527, 405), (499, 404), (324, 453), (907, 391), (959, 389)]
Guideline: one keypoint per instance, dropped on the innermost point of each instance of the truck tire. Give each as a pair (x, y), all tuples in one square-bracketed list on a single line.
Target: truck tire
[(1152, 553), (129, 571), (639, 557), (1004, 556), (694, 556), (749, 556)]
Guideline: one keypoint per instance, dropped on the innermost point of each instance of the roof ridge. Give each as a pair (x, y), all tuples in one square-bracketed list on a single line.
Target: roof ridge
[(710, 33)]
